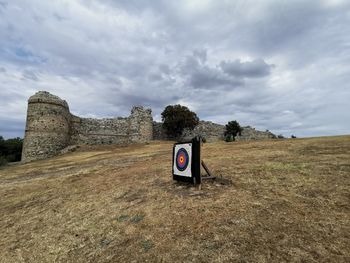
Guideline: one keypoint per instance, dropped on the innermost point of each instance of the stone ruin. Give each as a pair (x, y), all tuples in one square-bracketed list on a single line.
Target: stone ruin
[(250, 134), (213, 132), (51, 129)]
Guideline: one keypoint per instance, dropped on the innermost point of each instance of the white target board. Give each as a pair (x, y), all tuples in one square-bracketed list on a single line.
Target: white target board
[(182, 159)]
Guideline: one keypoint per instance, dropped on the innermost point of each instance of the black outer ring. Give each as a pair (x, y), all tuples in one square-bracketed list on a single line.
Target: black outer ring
[(186, 155)]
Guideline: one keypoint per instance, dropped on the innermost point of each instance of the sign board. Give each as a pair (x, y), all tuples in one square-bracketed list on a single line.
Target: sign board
[(186, 161)]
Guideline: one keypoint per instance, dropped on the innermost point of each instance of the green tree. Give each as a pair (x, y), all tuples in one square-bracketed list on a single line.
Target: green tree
[(3, 160), (232, 130), (2, 145), (10, 150), (176, 118), (14, 149)]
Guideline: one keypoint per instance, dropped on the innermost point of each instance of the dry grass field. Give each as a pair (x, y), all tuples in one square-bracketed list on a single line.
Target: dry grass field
[(274, 201)]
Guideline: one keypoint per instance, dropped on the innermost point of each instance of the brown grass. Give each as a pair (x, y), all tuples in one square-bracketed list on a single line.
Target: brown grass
[(288, 202)]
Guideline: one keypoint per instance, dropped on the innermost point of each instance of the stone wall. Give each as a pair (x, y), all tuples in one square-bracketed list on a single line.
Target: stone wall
[(209, 130), (158, 132), (50, 127), (249, 134), (212, 132), (99, 131)]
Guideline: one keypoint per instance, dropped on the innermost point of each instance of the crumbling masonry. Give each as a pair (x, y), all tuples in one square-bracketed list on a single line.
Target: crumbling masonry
[(51, 127)]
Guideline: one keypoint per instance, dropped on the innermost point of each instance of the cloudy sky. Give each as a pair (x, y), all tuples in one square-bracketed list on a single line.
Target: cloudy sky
[(277, 65)]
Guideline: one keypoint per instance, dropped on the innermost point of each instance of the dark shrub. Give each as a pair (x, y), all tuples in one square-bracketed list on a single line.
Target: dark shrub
[(3, 161), (11, 149), (232, 130), (229, 138)]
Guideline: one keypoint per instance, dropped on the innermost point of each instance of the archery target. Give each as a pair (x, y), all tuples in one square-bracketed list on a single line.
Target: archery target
[(182, 159)]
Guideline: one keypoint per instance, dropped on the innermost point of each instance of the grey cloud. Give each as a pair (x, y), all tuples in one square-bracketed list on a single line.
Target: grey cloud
[(209, 78), (3, 5), (59, 17), (136, 6), (149, 101), (201, 76), (201, 54), (164, 69), (28, 74), (252, 69), (155, 77)]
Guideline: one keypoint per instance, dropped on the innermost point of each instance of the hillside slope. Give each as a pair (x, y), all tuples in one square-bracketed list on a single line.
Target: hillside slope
[(279, 200)]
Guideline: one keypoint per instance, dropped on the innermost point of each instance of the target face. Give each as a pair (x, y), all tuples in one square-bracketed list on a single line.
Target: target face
[(182, 159)]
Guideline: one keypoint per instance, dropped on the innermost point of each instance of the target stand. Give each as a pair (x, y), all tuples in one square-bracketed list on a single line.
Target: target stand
[(187, 162)]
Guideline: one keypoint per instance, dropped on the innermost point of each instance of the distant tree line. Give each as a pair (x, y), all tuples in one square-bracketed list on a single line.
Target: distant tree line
[(10, 150)]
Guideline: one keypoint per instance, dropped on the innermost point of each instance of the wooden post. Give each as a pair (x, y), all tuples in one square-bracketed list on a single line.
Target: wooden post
[(210, 175)]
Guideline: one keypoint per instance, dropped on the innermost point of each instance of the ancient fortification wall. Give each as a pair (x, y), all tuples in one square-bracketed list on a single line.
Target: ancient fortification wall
[(249, 134), (209, 130), (212, 132), (51, 127)]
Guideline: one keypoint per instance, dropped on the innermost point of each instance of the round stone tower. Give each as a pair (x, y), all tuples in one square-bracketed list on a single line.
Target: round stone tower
[(47, 127)]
